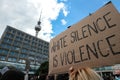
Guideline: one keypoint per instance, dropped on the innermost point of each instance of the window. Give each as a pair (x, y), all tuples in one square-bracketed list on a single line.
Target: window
[(15, 48), (13, 31), (17, 43), (31, 57), (24, 50), (12, 53), (22, 34), (32, 52), (19, 38), (0, 50), (12, 59), (23, 55), (7, 40), (18, 33), (27, 41), (21, 61), (5, 46), (9, 29), (10, 35), (2, 58), (5, 51)]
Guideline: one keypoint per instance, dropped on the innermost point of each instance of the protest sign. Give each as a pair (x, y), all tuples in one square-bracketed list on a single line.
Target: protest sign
[(92, 42)]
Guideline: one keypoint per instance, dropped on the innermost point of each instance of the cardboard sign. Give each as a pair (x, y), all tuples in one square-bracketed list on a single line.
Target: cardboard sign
[(92, 42)]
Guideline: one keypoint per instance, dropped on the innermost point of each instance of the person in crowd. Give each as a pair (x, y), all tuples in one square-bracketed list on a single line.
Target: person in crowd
[(83, 74), (13, 75), (117, 77), (0, 74)]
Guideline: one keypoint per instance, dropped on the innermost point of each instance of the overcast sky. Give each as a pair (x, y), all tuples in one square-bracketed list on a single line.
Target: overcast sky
[(56, 15)]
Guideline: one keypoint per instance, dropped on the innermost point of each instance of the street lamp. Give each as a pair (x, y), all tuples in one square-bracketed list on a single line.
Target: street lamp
[(27, 67)]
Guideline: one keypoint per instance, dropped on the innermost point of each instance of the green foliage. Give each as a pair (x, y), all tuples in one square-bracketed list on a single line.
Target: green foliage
[(43, 69)]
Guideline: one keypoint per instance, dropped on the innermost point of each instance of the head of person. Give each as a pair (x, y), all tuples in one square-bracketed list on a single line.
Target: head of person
[(0, 74), (13, 75), (83, 74)]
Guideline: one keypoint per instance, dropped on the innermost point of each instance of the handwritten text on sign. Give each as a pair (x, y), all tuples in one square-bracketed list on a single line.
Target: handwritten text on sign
[(92, 40)]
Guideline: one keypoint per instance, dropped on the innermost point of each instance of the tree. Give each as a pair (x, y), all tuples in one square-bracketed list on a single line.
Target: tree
[(43, 69)]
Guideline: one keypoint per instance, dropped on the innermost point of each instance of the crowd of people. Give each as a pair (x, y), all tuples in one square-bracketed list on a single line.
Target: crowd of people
[(74, 74), (12, 75)]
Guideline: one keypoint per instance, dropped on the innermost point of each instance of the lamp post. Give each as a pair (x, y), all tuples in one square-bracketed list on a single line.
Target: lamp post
[(27, 67)]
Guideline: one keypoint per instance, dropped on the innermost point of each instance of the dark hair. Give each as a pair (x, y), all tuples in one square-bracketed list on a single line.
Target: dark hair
[(13, 75), (0, 74)]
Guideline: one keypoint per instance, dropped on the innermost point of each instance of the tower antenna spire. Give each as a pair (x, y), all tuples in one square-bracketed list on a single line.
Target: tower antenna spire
[(38, 26), (39, 22), (40, 15)]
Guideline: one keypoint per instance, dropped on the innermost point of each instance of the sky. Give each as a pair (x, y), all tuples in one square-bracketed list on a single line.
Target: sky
[(56, 15)]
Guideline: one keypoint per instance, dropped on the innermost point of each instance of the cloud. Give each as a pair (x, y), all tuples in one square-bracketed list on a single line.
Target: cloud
[(63, 22), (16, 14), (64, 0), (65, 11), (24, 14)]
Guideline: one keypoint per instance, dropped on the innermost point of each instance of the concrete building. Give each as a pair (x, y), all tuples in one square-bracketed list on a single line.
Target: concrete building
[(18, 47)]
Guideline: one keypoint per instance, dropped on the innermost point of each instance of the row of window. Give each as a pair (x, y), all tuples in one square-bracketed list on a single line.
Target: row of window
[(8, 35), (15, 54), (16, 48), (5, 52), (21, 34), (12, 59), (21, 66), (17, 43), (9, 39), (12, 53), (3, 58)]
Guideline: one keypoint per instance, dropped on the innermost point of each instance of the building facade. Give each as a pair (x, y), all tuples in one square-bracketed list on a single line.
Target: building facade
[(18, 47)]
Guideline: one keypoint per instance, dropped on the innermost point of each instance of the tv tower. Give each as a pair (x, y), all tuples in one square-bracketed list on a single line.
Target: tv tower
[(38, 27)]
